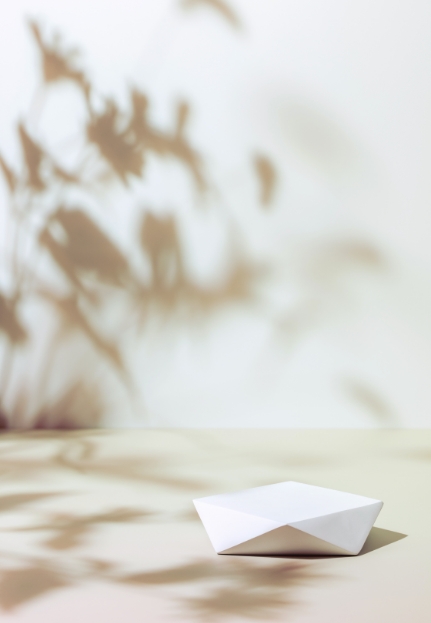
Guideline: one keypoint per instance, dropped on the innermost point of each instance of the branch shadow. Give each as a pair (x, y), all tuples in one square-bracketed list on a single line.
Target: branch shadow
[(18, 586), (219, 7), (236, 587)]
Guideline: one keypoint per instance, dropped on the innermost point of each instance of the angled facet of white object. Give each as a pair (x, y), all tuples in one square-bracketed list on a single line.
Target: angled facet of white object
[(288, 518)]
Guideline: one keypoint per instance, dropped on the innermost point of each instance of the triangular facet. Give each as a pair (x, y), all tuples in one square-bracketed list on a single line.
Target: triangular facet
[(347, 529), (226, 527), (288, 502), (286, 541)]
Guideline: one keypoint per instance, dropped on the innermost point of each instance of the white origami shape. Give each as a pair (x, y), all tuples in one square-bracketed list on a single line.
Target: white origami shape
[(288, 518)]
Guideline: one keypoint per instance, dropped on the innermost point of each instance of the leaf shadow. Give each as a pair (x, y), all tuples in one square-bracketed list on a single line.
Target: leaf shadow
[(18, 586), (222, 8), (266, 175), (235, 587), (69, 530)]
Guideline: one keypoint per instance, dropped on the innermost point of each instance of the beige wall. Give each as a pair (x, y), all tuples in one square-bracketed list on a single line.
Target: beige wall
[(251, 249)]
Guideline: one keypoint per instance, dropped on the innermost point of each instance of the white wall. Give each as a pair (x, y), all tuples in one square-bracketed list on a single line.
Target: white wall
[(337, 95)]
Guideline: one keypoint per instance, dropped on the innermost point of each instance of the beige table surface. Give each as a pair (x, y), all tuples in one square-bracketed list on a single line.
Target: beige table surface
[(99, 526)]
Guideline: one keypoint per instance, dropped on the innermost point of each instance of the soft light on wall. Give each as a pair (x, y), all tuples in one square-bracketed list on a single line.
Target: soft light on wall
[(215, 213)]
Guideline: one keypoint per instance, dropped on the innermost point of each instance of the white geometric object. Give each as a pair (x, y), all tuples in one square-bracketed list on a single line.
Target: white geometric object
[(288, 518)]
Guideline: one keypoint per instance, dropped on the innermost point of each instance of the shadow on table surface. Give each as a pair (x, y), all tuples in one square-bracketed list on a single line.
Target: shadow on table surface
[(57, 544), (56, 547), (378, 538)]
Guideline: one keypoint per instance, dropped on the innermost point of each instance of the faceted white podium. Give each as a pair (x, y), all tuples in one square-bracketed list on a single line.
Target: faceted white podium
[(288, 518)]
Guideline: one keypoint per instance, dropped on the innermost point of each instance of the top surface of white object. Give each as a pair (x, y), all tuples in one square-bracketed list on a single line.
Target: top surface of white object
[(288, 502)]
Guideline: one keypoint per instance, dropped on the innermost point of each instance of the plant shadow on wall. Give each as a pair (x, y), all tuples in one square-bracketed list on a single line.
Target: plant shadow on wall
[(62, 260), (74, 295), (220, 7)]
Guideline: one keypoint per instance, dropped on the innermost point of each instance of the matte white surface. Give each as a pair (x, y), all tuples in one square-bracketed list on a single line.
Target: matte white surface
[(287, 502), (286, 541), (340, 519)]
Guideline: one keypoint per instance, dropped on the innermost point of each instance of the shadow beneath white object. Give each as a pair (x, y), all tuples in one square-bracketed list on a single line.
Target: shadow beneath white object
[(378, 538)]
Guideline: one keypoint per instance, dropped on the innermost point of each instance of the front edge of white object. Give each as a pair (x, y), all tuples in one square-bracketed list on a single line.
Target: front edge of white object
[(235, 518), (227, 528)]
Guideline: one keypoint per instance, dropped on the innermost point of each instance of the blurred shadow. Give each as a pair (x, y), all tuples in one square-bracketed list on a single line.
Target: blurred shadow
[(81, 452), (79, 406), (160, 241), (80, 248), (378, 538), (73, 318), (247, 590), (34, 156), (368, 398), (220, 6), (62, 255), (267, 179), (57, 64), (239, 588), (418, 454), (250, 604), (26, 457), (69, 531), (41, 169), (16, 500), (124, 141), (9, 175), (170, 286), (103, 130), (176, 145), (321, 140), (18, 586), (215, 587), (326, 277), (330, 259), (10, 323)]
